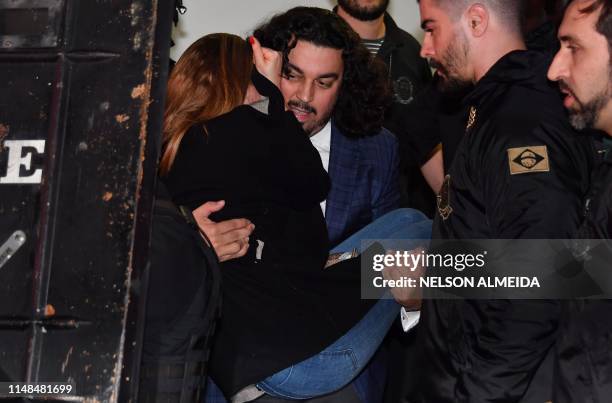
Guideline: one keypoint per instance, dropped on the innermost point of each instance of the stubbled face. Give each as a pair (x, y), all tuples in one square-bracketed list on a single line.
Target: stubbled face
[(364, 10), (582, 69), (312, 84), (445, 45)]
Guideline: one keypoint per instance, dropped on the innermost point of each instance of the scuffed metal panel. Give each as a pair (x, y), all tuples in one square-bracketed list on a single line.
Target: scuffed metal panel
[(66, 294), (30, 24)]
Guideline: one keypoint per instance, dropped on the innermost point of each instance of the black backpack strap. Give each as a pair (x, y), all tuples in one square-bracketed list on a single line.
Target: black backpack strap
[(182, 379), (198, 353)]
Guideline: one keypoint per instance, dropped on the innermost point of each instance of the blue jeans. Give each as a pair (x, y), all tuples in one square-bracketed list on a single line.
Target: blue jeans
[(393, 231), (342, 361), (338, 364)]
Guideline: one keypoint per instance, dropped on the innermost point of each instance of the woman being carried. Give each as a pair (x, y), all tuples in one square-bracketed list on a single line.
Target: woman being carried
[(289, 326)]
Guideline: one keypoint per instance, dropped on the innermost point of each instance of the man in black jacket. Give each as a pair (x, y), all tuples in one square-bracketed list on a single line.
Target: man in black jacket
[(519, 172), (409, 75), (583, 69)]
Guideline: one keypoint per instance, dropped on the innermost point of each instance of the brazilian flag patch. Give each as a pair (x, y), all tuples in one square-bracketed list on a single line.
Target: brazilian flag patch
[(524, 160)]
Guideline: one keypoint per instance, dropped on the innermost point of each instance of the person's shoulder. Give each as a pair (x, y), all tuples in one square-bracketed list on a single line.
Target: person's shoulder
[(235, 116), (386, 137), (242, 122), (532, 112), (195, 135), (532, 135), (411, 43), (382, 138), (379, 148), (400, 35)]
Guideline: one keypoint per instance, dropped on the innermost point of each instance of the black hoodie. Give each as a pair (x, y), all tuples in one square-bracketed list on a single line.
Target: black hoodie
[(520, 172)]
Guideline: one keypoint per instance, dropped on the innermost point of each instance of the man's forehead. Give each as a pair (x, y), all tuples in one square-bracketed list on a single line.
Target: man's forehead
[(309, 57), (430, 12), (577, 24)]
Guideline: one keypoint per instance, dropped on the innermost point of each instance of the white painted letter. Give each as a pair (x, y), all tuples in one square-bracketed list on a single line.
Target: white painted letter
[(16, 160)]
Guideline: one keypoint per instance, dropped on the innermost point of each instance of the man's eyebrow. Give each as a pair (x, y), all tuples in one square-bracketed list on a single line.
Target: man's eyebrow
[(329, 75), (568, 38), (295, 68), (425, 23)]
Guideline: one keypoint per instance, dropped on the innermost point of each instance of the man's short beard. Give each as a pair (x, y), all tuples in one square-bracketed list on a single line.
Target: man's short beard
[(456, 55), (363, 13), (318, 125), (454, 86), (589, 112)]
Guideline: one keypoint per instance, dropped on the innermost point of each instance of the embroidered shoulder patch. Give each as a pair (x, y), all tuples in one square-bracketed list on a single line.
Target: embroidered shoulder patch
[(443, 199), (531, 159)]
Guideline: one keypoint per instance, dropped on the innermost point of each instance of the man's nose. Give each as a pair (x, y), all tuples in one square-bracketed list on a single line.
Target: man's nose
[(558, 68), (306, 92), (427, 50)]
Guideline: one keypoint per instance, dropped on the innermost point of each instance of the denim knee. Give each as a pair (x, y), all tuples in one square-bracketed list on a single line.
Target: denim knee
[(324, 373)]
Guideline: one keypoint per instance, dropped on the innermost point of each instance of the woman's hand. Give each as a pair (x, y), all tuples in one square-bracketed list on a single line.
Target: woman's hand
[(267, 61)]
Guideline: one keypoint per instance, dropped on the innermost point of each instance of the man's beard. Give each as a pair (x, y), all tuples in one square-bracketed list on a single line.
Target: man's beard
[(456, 55), (363, 13), (311, 127), (588, 113)]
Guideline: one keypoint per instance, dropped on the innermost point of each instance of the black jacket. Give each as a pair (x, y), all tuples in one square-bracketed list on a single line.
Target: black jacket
[(519, 172), (443, 115), (409, 74), (408, 71), (584, 346), (279, 307)]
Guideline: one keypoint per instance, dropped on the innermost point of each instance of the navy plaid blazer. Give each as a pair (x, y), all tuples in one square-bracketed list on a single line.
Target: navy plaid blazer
[(364, 176)]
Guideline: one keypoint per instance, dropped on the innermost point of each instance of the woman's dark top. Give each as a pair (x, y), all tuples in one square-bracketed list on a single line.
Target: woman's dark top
[(282, 307)]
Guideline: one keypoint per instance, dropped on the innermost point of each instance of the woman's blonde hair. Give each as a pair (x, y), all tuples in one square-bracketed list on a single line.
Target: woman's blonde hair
[(211, 78)]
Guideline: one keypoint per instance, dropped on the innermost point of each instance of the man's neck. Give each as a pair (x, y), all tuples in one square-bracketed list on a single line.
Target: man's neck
[(365, 29), (492, 54)]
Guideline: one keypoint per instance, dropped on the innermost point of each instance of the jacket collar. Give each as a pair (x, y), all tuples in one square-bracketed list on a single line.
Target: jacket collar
[(393, 35), (518, 67)]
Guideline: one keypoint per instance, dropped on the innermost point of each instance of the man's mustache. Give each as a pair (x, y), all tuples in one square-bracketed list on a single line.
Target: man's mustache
[(564, 87), (302, 105), (434, 64)]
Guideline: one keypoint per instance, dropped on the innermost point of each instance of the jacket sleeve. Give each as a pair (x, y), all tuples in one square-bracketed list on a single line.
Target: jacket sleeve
[(387, 195), (297, 166), (517, 334)]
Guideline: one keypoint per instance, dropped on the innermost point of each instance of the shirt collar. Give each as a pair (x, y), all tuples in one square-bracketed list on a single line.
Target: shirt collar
[(323, 137)]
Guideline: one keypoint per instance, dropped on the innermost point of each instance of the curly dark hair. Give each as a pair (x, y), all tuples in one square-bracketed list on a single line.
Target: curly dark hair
[(365, 92)]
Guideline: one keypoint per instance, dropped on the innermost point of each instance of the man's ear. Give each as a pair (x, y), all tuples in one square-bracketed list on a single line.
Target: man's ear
[(477, 19)]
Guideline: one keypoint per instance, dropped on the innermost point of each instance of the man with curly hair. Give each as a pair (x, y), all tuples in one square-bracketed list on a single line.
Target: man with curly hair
[(340, 95)]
